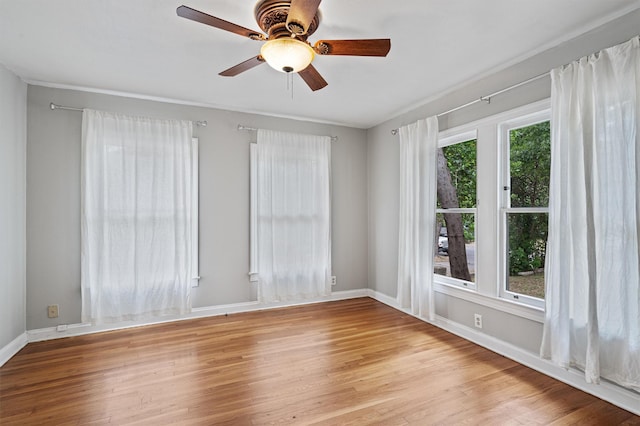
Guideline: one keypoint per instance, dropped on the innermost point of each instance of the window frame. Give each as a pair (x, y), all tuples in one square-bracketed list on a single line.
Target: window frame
[(488, 217), (449, 138), (504, 197)]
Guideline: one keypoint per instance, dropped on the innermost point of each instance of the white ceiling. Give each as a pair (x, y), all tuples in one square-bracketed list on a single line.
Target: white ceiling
[(143, 48)]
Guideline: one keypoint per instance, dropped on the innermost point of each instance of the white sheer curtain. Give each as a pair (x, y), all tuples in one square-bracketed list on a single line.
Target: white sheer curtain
[(418, 167), (138, 191), (292, 215), (592, 270)]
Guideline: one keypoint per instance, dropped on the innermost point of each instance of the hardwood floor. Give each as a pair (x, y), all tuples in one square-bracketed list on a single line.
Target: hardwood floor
[(351, 362)]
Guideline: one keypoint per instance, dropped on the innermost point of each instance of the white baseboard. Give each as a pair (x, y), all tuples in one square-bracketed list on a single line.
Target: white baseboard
[(79, 329), (610, 392), (387, 300), (7, 352)]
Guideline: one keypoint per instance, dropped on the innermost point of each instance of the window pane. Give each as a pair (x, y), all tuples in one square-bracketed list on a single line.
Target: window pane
[(527, 249), (457, 175), (456, 253), (530, 162)]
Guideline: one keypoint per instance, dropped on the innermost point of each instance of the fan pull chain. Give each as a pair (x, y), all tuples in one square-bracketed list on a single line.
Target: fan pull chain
[(289, 77)]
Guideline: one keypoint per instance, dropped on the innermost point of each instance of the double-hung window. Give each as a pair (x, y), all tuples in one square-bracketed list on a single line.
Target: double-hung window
[(454, 259), (139, 217), (524, 200), (492, 210)]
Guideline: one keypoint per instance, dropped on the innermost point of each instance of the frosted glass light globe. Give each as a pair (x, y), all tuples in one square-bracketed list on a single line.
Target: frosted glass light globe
[(287, 54)]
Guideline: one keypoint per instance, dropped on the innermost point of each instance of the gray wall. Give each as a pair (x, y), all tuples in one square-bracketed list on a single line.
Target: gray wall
[(53, 199), (383, 169), (13, 143)]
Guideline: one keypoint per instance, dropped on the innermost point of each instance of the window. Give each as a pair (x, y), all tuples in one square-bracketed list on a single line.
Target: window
[(499, 170), (526, 162), (454, 259), (139, 217), (290, 216)]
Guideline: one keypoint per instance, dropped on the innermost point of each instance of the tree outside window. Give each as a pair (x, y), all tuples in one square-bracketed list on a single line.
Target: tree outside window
[(456, 212)]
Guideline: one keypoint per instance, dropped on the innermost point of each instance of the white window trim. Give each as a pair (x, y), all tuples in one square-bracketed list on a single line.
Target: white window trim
[(457, 135), (512, 307)]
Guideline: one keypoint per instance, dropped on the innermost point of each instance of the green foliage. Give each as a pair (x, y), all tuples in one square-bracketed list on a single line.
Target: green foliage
[(530, 156), (461, 161), (518, 261), (527, 256)]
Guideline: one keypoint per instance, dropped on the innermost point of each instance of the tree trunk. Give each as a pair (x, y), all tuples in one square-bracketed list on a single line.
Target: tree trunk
[(448, 199)]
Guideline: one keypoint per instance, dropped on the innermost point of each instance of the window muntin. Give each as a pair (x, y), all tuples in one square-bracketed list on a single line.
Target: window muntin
[(524, 214), (454, 257)]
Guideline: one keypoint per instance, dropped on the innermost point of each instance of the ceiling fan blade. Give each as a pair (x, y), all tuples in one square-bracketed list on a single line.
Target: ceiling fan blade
[(301, 13), (366, 47), (243, 66), (312, 77), (203, 18)]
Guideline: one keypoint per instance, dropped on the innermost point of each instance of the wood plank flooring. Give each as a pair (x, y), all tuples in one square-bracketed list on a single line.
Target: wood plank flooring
[(353, 362)]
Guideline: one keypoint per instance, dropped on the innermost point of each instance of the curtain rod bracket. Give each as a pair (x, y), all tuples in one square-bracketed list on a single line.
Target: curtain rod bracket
[(56, 106), (486, 99)]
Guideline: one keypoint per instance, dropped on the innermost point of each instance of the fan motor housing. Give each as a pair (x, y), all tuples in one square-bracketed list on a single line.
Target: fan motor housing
[(271, 16)]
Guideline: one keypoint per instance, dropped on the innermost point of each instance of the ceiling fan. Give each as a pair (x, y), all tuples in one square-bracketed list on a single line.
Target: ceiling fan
[(287, 24)]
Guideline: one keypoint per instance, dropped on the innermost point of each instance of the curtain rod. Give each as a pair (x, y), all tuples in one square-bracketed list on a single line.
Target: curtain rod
[(56, 106), (253, 129), (487, 98)]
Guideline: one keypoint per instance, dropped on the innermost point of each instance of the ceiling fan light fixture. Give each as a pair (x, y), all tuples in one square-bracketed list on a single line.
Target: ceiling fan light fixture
[(287, 54)]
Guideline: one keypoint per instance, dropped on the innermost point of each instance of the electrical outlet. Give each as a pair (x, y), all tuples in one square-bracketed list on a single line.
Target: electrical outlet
[(52, 311), (477, 320), (334, 280)]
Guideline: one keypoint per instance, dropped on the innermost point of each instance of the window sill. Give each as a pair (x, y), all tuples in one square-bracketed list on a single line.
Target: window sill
[(510, 307)]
